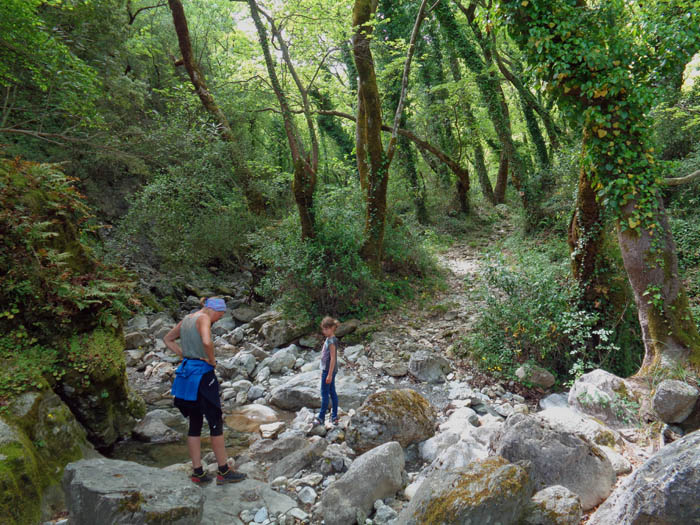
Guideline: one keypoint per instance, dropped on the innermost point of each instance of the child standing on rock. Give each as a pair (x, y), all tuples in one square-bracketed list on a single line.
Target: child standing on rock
[(329, 368)]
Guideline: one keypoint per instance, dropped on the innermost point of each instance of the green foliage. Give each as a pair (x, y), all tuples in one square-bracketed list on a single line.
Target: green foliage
[(529, 317), (50, 280), (326, 275), (191, 214)]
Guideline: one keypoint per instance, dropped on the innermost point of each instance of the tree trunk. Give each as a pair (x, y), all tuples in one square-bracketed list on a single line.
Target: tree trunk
[(669, 333), (494, 99), (244, 177), (372, 161), (474, 137), (305, 164), (499, 192)]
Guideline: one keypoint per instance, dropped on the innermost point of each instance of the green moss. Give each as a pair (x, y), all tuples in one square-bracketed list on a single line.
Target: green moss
[(491, 478), (390, 403), (131, 502), (21, 482)]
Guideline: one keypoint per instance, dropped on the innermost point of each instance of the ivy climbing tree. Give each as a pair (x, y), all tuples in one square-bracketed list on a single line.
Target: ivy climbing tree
[(606, 73)]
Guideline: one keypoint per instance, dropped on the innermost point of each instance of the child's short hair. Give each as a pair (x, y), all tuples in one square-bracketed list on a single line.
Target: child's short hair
[(329, 322)]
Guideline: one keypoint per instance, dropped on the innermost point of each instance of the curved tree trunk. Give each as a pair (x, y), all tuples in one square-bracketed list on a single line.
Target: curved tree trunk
[(244, 177), (669, 333)]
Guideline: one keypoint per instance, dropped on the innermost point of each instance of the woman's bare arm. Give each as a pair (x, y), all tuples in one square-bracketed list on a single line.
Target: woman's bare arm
[(204, 328), (170, 338)]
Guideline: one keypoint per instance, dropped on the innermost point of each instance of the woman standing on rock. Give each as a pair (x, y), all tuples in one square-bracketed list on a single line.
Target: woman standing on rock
[(196, 388)]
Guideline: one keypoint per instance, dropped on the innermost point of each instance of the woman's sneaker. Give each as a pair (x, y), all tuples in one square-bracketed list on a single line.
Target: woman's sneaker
[(200, 478), (229, 476)]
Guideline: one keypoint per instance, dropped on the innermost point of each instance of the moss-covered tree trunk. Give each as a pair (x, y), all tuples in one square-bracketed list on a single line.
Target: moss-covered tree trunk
[(669, 332), (371, 160), (244, 177), (493, 97), (499, 191)]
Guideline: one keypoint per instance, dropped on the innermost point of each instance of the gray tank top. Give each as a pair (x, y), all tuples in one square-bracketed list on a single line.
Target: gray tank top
[(190, 340)]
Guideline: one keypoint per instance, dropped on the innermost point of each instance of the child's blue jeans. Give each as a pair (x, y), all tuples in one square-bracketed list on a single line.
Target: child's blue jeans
[(328, 390)]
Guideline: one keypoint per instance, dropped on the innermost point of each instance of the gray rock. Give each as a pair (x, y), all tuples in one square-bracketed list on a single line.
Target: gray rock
[(554, 401), (383, 514), (347, 327), (431, 448), (263, 374), (256, 392), (488, 491), (261, 515), (298, 460), (244, 361), (310, 341), (236, 336), (136, 339), (404, 416), (307, 496), (674, 400), (286, 357), (353, 353), (428, 367), (536, 375), (396, 369), (112, 491), (558, 458), (153, 428), (224, 325), (278, 332), (244, 314), (259, 320), (267, 450), (664, 490), (555, 505), (583, 426), (605, 396), (304, 390), (138, 323), (134, 357), (225, 503), (374, 475)]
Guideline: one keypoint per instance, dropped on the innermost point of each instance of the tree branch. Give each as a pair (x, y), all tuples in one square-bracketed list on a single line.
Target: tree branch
[(391, 148), (132, 16), (678, 181)]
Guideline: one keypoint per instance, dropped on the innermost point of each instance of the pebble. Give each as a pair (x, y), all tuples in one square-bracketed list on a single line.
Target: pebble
[(307, 495), (261, 515)]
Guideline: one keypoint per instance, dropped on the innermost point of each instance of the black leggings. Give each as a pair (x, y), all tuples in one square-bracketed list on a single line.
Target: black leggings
[(214, 419)]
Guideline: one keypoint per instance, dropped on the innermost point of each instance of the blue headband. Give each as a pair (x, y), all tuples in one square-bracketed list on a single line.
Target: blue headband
[(218, 305)]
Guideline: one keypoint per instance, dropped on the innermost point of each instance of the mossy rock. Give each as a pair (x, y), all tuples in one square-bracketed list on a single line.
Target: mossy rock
[(488, 491), (38, 438), (96, 390), (393, 415)]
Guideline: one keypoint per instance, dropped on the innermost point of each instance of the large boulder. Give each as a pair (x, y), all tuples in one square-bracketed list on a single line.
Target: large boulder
[(224, 325), (663, 491), (284, 358), (304, 390), (558, 458), (488, 491), (393, 415), (604, 396), (555, 505), (377, 474), (674, 400), (39, 436), (113, 491), (428, 367), (279, 332), (99, 395), (586, 427), (271, 451)]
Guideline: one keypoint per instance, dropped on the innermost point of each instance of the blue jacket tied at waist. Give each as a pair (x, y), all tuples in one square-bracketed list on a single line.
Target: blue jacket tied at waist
[(187, 378)]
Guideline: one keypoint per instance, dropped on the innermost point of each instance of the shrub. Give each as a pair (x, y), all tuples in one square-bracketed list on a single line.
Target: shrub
[(326, 275), (190, 215), (529, 317)]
